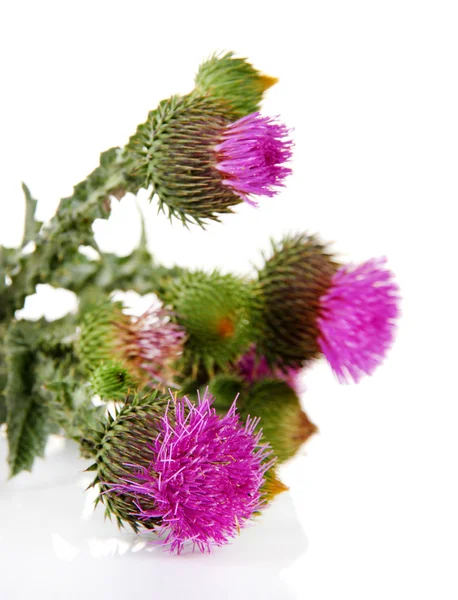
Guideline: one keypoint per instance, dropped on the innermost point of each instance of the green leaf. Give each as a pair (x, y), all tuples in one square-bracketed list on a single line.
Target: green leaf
[(27, 418), (2, 410), (31, 227), (27, 415)]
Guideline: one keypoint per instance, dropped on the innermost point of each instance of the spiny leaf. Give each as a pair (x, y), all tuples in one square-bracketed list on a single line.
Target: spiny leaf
[(27, 416), (32, 226), (2, 410)]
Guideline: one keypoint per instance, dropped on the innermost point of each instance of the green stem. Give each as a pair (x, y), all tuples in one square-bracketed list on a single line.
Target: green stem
[(71, 227)]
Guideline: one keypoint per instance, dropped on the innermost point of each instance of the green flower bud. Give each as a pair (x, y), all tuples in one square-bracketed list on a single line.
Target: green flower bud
[(272, 485), (111, 381), (234, 81), (99, 341), (213, 309), (225, 388), (283, 422)]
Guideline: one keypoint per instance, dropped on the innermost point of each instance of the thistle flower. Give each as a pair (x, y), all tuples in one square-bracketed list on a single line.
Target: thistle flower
[(251, 156), (213, 310), (190, 474), (200, 164), (146, 346), (308, 305), (253, 368), (357, 318), (233, 81), (285, 426)]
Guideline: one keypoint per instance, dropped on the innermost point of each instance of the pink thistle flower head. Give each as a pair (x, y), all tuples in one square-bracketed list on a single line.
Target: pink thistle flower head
[(357, 318), (204, 478), (254, 368), (251, 156), (154, 342), (146, 346)]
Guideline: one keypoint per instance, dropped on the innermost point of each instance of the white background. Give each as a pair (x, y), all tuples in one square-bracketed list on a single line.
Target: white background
[(371, 91)]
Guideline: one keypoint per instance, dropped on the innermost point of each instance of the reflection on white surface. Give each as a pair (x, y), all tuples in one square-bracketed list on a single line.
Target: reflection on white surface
[(63, 549), (53, 531), (100, 548)]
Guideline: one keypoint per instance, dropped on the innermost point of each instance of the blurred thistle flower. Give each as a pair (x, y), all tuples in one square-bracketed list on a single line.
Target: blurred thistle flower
[(307, 305), (251, 156), (200, 163), (233, 81), (357, 318), (183, 471), (145, 346), (253, 368)]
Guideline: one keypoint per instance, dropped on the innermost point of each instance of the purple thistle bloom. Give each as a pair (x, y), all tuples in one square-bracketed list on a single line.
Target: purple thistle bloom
[(255, 368), (357, 318), (204, 477), (251, 156), (152, 342)]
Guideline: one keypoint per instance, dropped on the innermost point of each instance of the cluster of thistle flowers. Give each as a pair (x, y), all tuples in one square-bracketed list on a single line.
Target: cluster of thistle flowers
[(197, 464)]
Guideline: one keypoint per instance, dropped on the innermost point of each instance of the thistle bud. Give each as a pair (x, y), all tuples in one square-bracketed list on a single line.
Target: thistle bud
[(272, 485), (182, 470), (111, 381), (308, 305), (200, 164), (213, 310), (234, 81), (145, 346), (284, 424)]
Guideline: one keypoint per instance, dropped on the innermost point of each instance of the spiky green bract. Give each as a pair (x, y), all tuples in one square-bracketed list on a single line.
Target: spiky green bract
[(125, 441), (174, 153), (272, 485), (213, 308), (234, 81), (99, 334), (283, 422), (111, 381), (287, 295)]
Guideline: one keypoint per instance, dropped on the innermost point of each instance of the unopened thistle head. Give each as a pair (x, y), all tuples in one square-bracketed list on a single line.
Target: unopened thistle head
[(233, 81), (273, 486), (357, 318), (213, 310), (145, 346), (200, 164), (186, 472), (309, 305), (284, 424), (111, 381)]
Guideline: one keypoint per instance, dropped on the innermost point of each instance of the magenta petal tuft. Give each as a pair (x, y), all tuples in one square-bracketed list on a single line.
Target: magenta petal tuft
[(205, 476), (251, 156), (357, 318), (253, 368)]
